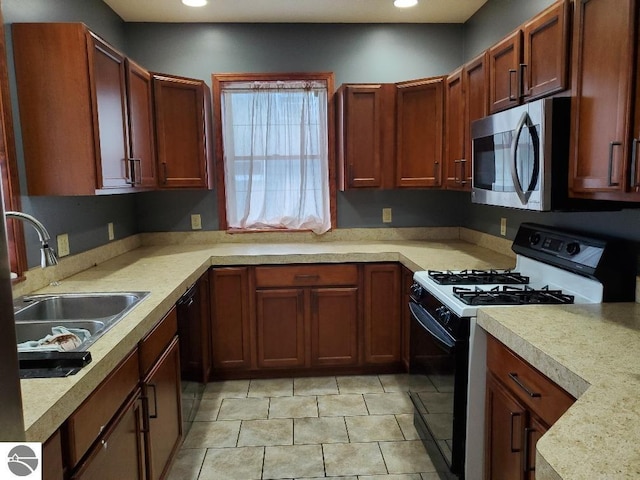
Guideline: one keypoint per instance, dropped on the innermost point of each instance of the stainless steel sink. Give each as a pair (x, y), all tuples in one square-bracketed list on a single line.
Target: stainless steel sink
[(35, 315)]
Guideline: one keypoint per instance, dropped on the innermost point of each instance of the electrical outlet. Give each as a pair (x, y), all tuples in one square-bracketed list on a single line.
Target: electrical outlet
[(386, 215), (63, 245), (503, 226), (196, 222), (110, 230)]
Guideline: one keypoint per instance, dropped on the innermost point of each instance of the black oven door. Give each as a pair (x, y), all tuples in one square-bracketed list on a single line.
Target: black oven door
[(438, 361)]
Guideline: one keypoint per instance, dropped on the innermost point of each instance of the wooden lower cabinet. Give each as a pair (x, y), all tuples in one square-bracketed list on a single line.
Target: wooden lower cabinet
[(382, 313), (280, 328), (163, 418), (52, 465), (334, 326), (230, 298), (407, 281), (119, 451), (521, 405)]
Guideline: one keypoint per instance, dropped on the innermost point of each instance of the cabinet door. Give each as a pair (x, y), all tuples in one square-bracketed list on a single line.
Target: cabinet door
[(546, 56), (230, 317), (142, 155), (107, 72), (52, 466), (504, 73), (366, 121), (419, 133), (532, 433), (505, 421), (382, 313), (455, 133), (604, 44), (476, 105), (280, 335), (407, 281), (180, 132), (119, 453), (334, 326), (163, 416), (194, 322)]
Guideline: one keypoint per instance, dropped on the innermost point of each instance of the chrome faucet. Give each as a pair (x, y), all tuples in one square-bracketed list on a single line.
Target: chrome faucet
[(47, 254)]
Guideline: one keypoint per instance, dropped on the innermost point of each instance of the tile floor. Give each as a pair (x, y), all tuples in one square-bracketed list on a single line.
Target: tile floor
[(346, 427)]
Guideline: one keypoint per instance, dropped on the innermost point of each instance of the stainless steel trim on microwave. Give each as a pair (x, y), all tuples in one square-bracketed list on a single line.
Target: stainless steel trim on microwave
[(525, 121)]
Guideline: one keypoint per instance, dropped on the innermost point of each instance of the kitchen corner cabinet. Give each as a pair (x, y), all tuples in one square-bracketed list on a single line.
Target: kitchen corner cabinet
[(306, 315), (532, 61), (605, 132), (73, 100), (231, 302), (382, 313), (454, 133), (183, 132), (365, 135), (521, 405), (194, 325), (419, 133), (407, 281)]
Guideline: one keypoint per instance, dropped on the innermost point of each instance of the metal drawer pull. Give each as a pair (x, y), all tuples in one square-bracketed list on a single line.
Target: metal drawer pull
[(513, 450), (610, 173), (306, 277), (514, 377)]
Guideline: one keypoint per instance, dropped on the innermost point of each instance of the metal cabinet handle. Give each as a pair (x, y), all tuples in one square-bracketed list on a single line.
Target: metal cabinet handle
[(521, 88), (511, 435), (457, 179), (463, 164), (155, 401), (610, 172), (527, 467), (527, 390), (511, 73), (633, 181), (436, 171), (164, 172)]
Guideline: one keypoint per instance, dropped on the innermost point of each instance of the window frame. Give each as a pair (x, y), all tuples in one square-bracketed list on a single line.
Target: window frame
[(218, 81)]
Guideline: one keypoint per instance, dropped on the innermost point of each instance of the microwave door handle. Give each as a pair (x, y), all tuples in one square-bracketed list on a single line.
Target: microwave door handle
[(525, 121)]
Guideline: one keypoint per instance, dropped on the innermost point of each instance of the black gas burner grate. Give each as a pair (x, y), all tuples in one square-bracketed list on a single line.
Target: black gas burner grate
[(509, 295), (478, 277)]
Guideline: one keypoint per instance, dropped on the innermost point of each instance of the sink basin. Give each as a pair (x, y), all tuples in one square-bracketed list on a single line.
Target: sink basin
[(35, 315)]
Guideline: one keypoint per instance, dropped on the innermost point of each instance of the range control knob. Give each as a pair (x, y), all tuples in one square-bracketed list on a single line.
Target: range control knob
[(573, 248), (444, 315), (534, 238), (416, 290)]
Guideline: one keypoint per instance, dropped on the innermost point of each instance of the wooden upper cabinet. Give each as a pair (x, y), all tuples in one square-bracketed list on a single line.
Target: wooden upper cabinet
[(182, 132), (365, 135), (546, 52), (504, 72), (74, 105), (476, 104), (141, 144), (455, 160), (603, 160), (419, 133)]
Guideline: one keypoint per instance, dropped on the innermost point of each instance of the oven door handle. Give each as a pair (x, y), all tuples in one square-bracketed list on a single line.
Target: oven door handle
[(437, 331)]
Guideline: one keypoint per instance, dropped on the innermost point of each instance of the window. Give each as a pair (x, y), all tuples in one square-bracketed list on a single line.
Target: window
[(275, 155)]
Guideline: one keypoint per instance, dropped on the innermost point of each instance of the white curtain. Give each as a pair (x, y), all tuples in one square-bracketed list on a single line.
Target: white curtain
[(276, 155)]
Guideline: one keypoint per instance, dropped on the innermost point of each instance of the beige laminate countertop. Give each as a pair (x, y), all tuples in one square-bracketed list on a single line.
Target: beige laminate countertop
[(167, 272), (593, 352)]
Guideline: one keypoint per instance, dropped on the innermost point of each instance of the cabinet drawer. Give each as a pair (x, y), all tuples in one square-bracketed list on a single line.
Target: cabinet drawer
[(538, 392), (91, 418), (306, 275), (157, 340)]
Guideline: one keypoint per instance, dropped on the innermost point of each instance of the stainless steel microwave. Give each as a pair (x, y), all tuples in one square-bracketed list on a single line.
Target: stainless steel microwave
[(521, 156)]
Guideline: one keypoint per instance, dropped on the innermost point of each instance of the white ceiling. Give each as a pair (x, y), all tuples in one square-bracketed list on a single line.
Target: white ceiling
[(296, 11)]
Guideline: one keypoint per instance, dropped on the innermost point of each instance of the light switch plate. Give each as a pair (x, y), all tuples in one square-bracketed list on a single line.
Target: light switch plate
[(196, 222), (386, 215), (110, 230), (63, 245), (503, 226)]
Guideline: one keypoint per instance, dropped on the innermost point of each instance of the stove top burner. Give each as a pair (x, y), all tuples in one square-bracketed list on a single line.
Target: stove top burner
[(509, 295), (478, 277)]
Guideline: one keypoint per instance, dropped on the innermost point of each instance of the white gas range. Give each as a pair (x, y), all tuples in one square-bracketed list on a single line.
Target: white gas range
[(553, 266)]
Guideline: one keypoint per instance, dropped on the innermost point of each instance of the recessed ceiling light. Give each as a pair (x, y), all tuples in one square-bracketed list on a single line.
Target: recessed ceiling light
[(195, 3), (405, 3)]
